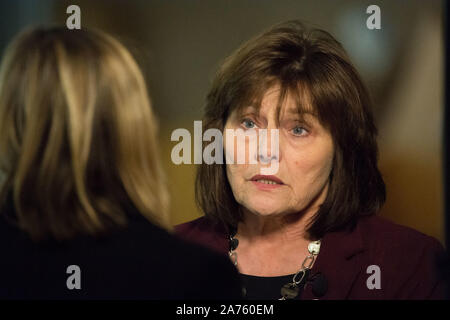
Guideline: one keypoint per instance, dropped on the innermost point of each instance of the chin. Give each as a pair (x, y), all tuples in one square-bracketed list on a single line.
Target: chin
[(264, 208)]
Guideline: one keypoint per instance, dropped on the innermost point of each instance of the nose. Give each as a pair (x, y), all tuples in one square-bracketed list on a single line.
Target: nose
[(266, 159), (268, 148)]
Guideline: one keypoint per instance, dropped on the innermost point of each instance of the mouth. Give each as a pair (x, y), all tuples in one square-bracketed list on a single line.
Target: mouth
[(267, 180)]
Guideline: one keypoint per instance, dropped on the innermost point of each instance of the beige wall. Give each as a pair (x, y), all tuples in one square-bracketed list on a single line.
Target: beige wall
[(411, 133)]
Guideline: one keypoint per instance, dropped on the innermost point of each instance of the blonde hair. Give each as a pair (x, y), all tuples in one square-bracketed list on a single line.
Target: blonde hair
[(78, 137)]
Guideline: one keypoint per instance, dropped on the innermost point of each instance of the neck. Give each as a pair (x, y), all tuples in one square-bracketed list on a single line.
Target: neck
[(272, 246), (274, 229)]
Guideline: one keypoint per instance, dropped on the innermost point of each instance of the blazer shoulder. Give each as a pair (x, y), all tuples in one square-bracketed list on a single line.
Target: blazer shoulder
[(411, 261), (201, 225), (205, 232), (378, 231)]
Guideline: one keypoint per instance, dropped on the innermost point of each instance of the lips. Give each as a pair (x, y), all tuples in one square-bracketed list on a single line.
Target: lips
[(270, 180)]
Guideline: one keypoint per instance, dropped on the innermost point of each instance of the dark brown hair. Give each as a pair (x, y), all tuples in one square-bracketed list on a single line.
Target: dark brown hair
[(306, 63)]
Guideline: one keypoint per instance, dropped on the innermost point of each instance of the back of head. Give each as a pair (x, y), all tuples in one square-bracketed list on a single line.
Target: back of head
[(77, 135)]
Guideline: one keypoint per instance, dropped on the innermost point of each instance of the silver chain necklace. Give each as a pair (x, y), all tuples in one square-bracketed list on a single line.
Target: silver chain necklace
[(291, 289)]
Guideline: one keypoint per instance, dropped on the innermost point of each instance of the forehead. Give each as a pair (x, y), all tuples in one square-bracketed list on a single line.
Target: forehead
[(284, 102)]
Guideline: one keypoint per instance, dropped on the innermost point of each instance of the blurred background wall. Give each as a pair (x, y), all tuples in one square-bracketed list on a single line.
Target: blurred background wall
[(180, 43)]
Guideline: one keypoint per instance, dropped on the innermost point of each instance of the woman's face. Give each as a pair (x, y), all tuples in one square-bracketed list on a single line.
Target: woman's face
[(304, 160)]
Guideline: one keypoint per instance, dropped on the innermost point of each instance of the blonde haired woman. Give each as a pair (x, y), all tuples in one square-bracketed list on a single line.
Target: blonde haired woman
[(84, 205)]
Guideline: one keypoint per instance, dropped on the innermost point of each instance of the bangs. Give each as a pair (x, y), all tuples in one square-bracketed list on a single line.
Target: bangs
[(298, 92)]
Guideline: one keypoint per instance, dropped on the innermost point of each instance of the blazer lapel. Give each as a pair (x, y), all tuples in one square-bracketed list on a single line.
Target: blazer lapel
[(339, 261)]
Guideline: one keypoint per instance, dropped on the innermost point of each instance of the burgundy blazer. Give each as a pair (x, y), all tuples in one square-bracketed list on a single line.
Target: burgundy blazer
[(408, 260)]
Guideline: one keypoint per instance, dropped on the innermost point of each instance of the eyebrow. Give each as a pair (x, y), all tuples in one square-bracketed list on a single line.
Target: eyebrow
[(302, 114), (296, 109), (308, 117), (245, 111), (294, 113)]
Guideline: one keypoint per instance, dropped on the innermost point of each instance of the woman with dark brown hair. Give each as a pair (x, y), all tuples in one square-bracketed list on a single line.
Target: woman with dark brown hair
[(84, 207), (309, 230)]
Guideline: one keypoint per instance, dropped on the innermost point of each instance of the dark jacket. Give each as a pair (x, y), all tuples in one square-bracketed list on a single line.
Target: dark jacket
[(409, 261), (141, 261)]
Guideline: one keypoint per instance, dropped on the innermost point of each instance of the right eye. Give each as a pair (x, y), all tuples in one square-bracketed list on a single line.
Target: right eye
[(248, 124)]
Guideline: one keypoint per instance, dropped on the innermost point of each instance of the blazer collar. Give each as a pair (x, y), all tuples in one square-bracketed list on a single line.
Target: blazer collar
[(339, 261)]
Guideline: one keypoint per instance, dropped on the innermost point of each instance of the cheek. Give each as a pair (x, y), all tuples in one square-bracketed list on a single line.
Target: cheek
[(316, 165), (235, 174), (305, 162), (236, 179), (240, 150), (231, 151)]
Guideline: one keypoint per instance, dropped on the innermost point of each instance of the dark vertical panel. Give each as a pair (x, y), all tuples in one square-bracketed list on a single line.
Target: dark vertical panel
[(447, 131), (446, 146)]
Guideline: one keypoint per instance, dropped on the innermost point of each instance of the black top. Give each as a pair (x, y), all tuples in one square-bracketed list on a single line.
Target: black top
[(141, 261), (267, 288)]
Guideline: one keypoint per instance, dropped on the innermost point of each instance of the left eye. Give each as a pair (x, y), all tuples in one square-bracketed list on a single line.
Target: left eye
[(248, 124), (298, 131)]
